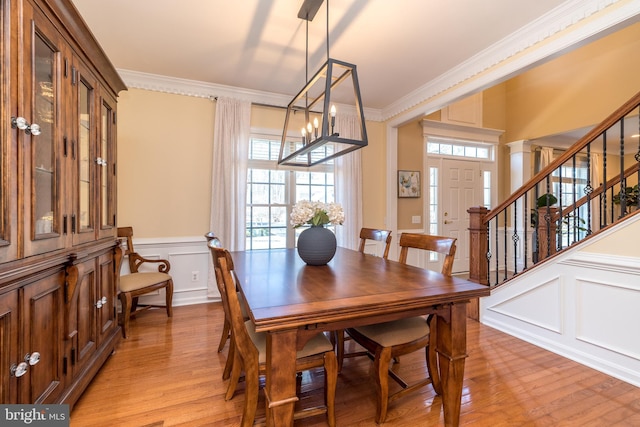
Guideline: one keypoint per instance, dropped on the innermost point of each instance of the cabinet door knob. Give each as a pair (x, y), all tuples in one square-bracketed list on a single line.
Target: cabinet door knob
[(19, 370), (32, 358), (22, 124)]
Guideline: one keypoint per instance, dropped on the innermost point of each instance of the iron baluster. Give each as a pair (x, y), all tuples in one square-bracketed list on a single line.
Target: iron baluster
[(604, 174), (588, 189), (515, 238), (505, 244), (623, 180)]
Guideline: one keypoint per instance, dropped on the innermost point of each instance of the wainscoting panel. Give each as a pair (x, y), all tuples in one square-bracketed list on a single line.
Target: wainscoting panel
[(610, 326), (580, 305), (526, 306)]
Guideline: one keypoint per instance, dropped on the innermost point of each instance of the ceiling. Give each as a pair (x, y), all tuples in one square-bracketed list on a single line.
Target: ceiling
[(398, 46)]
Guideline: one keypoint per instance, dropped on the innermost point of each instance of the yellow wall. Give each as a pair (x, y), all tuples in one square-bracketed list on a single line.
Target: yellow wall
[(165, 149), (164, 163), (374, 177), (619, 243), (410, 157), (578, 89)]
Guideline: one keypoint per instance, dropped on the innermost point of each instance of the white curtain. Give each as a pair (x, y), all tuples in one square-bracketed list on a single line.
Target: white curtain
[(348, 185), (229, 176), (546, 157)]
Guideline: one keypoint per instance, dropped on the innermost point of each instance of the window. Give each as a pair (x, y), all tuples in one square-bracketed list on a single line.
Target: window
[(569, 183), (458, 148), (272, 191), (433, 207), (486, 189)]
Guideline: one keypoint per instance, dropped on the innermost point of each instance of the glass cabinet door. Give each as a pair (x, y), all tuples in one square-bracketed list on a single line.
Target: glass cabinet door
[(39, 134), (86, 158), (106, 165), (84, 219), (8, 182), (43, 147)]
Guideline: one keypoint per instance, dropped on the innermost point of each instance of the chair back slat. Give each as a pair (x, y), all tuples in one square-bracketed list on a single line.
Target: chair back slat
[(377, 235), (439, 244)]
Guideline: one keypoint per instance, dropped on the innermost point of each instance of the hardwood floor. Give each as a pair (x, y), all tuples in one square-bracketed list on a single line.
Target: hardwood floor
[(168, 373)]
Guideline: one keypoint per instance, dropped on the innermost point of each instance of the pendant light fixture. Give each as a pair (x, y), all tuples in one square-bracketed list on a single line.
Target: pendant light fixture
[(310, 135)]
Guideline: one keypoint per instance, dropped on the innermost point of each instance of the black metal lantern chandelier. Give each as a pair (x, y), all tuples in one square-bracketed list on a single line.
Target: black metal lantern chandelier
[(317, 139)]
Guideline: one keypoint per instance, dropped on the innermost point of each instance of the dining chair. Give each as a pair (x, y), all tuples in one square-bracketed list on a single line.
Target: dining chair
[(250, 353), (132, 286), (339, 336), (389, 340), (375, 235), (227, 333), (213, 241)]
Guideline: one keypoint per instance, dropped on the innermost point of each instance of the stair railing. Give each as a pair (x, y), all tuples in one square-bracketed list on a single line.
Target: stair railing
[(589, 187)]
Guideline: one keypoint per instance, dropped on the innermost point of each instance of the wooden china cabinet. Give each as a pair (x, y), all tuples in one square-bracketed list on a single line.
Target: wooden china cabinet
[(59, 253)]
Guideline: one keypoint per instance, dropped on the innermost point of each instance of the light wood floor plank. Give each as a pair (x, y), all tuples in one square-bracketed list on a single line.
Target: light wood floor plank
[(168, 373)]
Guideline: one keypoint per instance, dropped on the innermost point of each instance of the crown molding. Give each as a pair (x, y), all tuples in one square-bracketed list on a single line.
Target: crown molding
[(199, 89), (572, 23)]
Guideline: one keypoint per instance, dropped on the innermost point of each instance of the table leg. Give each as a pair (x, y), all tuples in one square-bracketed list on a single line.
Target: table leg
[(280, 387), (452, 351)]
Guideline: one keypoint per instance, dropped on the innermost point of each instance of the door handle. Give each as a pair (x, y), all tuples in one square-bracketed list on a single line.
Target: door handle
[(447, 222)]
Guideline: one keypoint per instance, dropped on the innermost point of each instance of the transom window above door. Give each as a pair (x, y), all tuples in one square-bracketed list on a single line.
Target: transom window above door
[(459, 148)]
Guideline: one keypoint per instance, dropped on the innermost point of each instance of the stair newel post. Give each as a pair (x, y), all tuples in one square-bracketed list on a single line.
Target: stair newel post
[(478, 245), (547, 231)]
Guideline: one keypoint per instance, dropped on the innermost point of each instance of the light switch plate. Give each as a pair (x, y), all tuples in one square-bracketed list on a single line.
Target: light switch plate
[(415, 219)]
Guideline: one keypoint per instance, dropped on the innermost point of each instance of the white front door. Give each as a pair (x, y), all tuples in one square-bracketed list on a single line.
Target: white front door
[(461, 187)]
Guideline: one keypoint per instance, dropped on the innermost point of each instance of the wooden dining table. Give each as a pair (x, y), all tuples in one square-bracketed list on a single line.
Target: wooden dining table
[(292, 301)]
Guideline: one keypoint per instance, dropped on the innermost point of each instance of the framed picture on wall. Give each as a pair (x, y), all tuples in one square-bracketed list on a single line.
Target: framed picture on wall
[(408, 183)]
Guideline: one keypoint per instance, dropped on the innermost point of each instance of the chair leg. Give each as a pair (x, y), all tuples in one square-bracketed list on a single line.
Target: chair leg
[(252, 387), (228, 365), (298, 383), (339, 345), (226, 327), (381, 365), (236, 371), (169, 297), (125, 301), (432, 357), (330, 382)]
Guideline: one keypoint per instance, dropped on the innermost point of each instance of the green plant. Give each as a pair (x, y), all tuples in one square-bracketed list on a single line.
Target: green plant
[(630, 195)]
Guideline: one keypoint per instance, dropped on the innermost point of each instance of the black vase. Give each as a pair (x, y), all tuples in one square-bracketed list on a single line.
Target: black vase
[(317, 245)]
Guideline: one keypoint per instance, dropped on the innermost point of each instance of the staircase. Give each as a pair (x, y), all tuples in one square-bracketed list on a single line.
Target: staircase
[(562, 254), (589, 188)]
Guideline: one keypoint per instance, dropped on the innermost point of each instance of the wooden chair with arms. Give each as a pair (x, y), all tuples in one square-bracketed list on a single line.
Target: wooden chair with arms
[(386, 341), (339, 336), (250, 353), (132, 286)]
